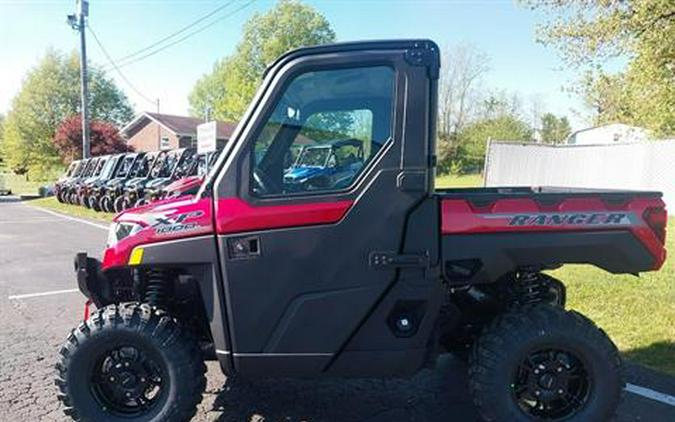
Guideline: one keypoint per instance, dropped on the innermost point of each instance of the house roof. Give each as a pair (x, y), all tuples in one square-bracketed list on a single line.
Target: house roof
[(607, 125), (179, 125)]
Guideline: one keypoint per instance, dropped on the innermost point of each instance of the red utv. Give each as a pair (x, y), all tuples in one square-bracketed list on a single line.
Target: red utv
[(190, 183), (376, 276)]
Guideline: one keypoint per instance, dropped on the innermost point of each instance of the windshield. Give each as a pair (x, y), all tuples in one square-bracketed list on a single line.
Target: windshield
[(99, 166), (141, 167), (90, 167), (313, 157), (125, 166), (71, 168), (108, 167), (165, 164), (186, 162)]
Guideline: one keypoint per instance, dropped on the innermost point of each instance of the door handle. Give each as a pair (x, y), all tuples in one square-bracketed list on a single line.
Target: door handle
[(243, 247)]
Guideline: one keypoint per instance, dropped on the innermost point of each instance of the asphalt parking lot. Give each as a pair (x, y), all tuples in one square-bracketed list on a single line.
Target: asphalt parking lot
[(38, 307)]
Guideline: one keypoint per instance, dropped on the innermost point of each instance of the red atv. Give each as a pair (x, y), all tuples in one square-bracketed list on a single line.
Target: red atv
[(373, 277)]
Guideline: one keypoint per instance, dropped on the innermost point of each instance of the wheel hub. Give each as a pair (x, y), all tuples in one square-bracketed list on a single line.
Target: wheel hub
[(128, 381), (551, 384)]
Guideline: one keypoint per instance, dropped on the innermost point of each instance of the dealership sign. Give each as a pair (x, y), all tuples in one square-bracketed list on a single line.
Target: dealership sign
[(206, 137)]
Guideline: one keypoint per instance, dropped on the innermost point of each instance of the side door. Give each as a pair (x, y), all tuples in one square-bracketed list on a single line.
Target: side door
[(301, 255)]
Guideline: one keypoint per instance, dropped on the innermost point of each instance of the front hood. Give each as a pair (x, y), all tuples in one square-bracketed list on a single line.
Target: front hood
[(300, 173), (136, 182), (185, 183), (157, 182), (160, 221)]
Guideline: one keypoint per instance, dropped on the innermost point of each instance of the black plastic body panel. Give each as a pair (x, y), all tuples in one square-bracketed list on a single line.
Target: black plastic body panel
[(497, 254), (198, 256)]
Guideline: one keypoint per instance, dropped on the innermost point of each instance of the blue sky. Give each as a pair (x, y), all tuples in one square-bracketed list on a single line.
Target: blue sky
[(500, 28)]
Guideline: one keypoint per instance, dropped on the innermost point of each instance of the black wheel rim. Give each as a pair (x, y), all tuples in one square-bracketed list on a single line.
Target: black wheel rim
[(128, 381), (551, 384)]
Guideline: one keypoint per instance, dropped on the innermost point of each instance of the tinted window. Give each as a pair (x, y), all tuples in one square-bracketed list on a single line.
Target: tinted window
[(323, 131)]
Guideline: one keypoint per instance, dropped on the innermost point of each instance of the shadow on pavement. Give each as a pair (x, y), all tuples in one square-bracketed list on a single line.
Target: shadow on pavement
[(432, 395)]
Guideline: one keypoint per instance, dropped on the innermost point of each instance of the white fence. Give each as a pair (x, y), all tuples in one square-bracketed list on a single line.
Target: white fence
[(637, 166)]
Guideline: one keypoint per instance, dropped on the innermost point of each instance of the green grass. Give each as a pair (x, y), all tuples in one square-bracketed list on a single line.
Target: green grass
[(19, 185), (75, 210), (637, 313), (459, 181)]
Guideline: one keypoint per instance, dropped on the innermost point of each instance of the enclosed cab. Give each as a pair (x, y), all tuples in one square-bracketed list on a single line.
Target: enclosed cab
[(375, 276)]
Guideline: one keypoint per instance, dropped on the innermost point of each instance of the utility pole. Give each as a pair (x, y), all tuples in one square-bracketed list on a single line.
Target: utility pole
[(78, 22)]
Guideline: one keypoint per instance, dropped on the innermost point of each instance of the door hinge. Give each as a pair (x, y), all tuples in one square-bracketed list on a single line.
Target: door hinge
[(389, 260), (425, 53)]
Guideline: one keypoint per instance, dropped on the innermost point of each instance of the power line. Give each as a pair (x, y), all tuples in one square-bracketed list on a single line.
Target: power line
[(180, 31), (190, 34), (114, 65)]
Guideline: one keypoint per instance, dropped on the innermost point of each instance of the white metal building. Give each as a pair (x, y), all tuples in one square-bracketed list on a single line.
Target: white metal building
[(632, 166), (608, 134)]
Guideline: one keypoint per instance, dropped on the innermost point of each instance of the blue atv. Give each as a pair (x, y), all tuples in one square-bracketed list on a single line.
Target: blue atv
[(331, 165)]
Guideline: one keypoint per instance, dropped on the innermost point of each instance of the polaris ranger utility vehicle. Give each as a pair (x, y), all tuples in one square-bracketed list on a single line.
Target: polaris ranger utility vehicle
[(114, 187), (375, 278), (190, 183), (95, 189), (133, 188), (178, 163), (326, 166), (86, 184), (71, 172), (64, 188), (73, 186)]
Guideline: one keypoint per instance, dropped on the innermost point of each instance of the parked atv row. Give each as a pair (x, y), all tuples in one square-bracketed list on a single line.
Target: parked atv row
[(114, 183)]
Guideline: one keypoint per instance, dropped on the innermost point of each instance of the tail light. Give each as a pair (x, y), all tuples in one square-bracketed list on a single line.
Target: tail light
[(657, 220)]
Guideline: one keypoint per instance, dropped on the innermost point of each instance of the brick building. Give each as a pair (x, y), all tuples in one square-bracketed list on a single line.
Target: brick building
[(154, 131)]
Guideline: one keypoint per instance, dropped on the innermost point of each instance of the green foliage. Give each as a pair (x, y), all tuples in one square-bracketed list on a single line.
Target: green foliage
[(640, 32), (554, 130), (51, 93), (2, 129), (472, 141), (229, 88)]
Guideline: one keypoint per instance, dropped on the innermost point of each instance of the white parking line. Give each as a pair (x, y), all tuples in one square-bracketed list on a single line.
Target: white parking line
[(53, 292), (79, 220), (650, 394)]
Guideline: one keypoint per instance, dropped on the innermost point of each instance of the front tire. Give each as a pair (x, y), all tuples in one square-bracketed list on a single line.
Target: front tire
[(130, 362), (545, 363)]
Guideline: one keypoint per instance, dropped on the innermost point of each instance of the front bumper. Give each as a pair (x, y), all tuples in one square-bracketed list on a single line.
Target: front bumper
[(90, 279)]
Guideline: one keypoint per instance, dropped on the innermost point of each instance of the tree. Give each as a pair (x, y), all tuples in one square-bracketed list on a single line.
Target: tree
[(589, 33), (51, 93), (229, 88), (105, 139), (463, 67), (472, 141), (461, 73), (554, 130), (2, 129)]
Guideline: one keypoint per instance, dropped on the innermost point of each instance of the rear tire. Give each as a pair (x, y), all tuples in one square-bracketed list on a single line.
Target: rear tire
[(543, 362), (130, 362)]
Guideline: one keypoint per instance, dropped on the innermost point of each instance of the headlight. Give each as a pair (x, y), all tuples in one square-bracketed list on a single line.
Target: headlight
[(119, 231)]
